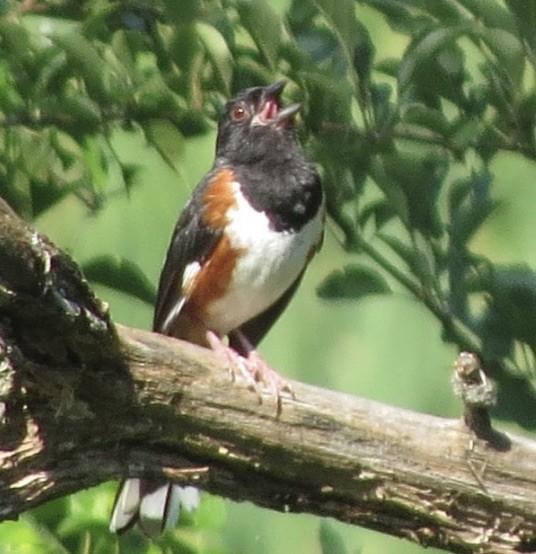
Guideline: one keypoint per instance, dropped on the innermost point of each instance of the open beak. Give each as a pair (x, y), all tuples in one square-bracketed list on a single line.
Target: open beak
[(270, 112)]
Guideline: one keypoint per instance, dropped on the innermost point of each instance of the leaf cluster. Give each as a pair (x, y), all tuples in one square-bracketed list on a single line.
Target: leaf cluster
[(407, 146)]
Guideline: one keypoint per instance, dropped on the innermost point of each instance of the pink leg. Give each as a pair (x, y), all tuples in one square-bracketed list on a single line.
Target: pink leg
[(269, 377), (254, 368), (236, 363)]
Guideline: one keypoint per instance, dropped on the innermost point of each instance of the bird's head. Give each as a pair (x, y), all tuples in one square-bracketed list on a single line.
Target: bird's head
[(254, 123)]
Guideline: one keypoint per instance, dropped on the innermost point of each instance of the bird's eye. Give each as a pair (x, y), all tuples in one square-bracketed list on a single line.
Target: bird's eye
[(239, 113)]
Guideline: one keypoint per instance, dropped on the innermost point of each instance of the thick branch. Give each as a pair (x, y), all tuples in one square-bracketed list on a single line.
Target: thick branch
[(82, 404)]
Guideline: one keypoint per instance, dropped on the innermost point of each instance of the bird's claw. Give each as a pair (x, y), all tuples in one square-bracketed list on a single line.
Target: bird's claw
[(270, 379), (255, 371)]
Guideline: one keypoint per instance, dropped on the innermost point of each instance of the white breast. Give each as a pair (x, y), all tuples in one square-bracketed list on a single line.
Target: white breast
[(273, 262)]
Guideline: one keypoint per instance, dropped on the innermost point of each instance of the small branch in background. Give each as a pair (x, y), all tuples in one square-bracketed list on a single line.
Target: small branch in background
[(479, 394)]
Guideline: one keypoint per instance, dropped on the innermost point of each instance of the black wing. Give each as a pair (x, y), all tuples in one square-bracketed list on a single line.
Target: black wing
[(192, 241)]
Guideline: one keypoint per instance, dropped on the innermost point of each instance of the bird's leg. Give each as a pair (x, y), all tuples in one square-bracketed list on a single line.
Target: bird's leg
[(261, 372), (253, 367), (236, 363)]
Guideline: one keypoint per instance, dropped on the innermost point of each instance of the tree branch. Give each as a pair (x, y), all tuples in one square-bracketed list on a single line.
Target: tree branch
[(82, 402)]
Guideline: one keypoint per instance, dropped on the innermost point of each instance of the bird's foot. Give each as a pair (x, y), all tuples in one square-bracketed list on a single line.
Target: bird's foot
[(254, 369), (269, 378), (236, 364)]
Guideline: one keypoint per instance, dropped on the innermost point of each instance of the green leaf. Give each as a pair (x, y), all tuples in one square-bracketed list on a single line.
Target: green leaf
[(156, 98), (401, 18), (499, 94), (492, 14), (386, 112), (182, 11), (193, 123), (249, 71), (411, 182), (301, 15), (319, 44), (345, 41), (15, 39), (525, 16), (66, 148), (11, 99), (97, 164), (340, 15), (426, 48), (469, 220), (17, 192), (464, 133), (331, 541), (329, 102), (130, 174), (459, 191), (74, 110), (36, 153), (422, 115), (394, 192), (218, 53), (380, 210), (527, 116), (352, 283), (470, 204), (264, 26), (186, 49), (389, 66), (123, 51), (512, 292), (120, 274), (53, 73), (363, 54), (85, 60), (508, 50), (403, 251), (166, 138), (446, 12), (422, 260)]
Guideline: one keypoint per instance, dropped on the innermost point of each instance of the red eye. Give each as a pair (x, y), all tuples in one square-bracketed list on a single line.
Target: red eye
[(239, 113)]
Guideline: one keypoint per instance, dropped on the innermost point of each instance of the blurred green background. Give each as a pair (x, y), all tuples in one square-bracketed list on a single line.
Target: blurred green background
[(389, 348)]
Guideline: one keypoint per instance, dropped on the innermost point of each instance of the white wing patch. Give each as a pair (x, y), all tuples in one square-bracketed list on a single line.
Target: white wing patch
[(188, 279)]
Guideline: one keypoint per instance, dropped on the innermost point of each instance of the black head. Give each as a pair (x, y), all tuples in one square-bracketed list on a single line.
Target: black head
[(254, 124)]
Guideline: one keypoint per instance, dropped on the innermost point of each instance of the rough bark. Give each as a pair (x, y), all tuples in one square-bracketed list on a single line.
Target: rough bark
[(82, 401)]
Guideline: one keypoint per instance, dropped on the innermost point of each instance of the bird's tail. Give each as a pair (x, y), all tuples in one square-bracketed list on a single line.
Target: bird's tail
[(154, 505)]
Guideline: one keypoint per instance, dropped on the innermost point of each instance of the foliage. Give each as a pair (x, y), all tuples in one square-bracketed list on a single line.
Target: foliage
[(406, 145)]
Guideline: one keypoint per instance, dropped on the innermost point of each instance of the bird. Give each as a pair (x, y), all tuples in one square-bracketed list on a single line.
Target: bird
[(236, 257)]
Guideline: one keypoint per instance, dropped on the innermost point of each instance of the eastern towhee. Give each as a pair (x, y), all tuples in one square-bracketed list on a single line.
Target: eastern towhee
[(237, 255)]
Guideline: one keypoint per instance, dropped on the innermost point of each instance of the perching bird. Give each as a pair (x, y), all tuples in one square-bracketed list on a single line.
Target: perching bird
[(237, 255)]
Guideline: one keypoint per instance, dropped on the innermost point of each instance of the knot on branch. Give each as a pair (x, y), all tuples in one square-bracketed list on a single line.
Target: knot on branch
[(479, 394), (43, 296)]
